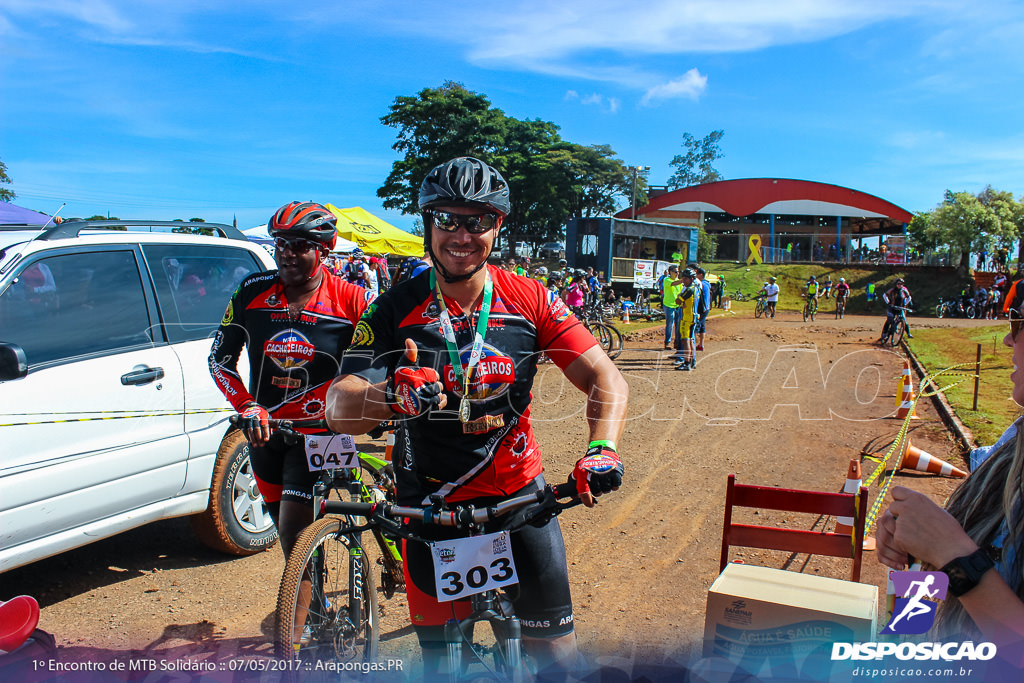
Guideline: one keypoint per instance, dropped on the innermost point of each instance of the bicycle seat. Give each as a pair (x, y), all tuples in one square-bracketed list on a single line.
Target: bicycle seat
[(18, 619)]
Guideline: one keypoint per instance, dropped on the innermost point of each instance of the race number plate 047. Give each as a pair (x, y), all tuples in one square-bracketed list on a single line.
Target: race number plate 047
[(330, 452), (466, 566)]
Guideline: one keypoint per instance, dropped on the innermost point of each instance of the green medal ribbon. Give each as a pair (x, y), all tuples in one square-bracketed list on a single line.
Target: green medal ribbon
[(463, 375)]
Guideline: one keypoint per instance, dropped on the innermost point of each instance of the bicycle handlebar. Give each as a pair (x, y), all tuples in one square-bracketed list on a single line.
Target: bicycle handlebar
[(462, 517)]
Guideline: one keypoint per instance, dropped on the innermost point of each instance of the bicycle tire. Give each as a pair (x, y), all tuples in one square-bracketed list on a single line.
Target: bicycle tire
[(758, 310), (971, 311), (608, 338), (939, 310), (899, 329), (327, 631), (805, 312), (617, 342)]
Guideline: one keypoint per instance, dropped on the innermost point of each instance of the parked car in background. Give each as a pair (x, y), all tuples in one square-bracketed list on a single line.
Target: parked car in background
[(551, 250), (109, 416)]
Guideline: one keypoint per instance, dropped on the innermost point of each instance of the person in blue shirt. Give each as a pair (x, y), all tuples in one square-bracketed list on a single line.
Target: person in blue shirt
[(703, 306)]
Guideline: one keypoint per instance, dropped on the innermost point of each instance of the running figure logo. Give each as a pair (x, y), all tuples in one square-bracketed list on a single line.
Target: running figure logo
[(917, 595)]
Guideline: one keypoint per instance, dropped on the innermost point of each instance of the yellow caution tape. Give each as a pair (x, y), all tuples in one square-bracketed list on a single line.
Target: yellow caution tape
[(898, 443), (104, 415)]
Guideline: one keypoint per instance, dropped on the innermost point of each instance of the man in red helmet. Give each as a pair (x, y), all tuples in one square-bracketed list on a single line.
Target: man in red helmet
[(451, 354), (294, 323)]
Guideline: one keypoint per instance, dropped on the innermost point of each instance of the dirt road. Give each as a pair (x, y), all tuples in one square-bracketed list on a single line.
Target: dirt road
[(778, 402)]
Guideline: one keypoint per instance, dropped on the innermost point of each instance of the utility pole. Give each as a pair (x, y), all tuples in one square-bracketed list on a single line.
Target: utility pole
[(636, 170)]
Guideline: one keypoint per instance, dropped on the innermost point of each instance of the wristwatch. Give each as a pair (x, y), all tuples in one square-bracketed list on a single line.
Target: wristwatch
[(965, 572)]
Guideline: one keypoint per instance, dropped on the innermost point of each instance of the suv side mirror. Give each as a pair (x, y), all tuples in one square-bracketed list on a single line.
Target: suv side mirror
[(13, 364)]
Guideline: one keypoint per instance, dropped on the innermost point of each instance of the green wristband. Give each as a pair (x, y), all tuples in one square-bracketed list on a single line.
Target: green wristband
[(603, 442)]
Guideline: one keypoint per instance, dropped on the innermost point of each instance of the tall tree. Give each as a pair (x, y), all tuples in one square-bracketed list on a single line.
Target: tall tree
[(436, 125), (551, 179), (5, 193), (964, 223), (695, 166)]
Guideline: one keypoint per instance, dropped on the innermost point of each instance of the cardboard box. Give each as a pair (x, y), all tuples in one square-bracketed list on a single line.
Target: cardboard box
[(759, 616)]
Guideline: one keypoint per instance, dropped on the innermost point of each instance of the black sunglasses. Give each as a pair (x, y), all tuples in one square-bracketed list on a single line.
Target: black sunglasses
[(450, 222), (296, 245), (1015, 322)]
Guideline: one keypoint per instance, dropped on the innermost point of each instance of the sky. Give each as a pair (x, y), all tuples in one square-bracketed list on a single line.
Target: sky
[(214, 109)]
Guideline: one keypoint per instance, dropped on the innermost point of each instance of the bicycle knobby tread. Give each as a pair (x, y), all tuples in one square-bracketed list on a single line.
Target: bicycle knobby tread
[(293, 570)]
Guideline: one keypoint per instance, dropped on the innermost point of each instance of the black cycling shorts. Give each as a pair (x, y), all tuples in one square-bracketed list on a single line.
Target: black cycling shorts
[(284, 468), (542, 599)]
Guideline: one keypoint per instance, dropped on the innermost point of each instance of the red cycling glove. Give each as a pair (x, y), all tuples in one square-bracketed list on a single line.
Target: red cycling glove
[(599, 471), (414, 390)]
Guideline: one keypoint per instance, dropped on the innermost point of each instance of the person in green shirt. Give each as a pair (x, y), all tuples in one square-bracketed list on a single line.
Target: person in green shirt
[(669, 292)]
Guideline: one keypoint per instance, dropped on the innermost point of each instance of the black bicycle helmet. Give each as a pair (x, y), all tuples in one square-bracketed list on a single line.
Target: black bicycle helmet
[(688, 273), (465, 181), (307, 220)]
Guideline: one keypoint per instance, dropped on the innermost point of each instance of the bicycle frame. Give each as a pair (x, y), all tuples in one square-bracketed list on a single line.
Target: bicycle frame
[(489, 605)]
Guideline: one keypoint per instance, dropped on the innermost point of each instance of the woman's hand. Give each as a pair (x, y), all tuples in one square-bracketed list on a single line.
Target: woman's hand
[(915, 526)]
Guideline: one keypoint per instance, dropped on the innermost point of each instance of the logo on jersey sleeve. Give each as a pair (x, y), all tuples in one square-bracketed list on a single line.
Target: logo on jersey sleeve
[(363, 336), (557, 308), (289, 349), (492, 376), (229, 314)]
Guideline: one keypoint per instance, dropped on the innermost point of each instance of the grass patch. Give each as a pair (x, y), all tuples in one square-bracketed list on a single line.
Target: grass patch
[(941, 348)]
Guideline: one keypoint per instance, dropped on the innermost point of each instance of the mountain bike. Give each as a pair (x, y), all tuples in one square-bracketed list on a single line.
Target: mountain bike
[(327, 600), (761, 307), (810, 308), (483, 585), (840, 307), (896, 329), (607, 335)]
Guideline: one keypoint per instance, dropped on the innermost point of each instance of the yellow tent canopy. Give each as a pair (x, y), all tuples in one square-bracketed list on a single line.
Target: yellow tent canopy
[(375, 235)]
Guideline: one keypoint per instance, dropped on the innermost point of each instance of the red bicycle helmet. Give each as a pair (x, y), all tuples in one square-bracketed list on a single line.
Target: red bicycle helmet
[(307, 220)]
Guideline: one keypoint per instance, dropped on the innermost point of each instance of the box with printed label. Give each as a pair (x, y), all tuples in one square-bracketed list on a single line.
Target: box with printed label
[(756, 615)]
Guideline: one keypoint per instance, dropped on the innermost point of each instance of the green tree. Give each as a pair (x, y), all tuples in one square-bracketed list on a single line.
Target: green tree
[(965, 223), (695, 166), (707, 245), (551, 179), (6, 194), (436, 125)]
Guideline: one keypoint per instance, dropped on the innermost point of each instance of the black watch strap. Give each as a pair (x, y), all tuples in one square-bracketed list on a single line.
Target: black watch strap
[(965, 572)]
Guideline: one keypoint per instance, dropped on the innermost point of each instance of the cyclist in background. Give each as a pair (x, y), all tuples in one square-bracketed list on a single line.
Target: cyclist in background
[(771, 291), (812, 290), (294, 323), (842, 291), (897, 295), (356, 270), (826, 287), (452, 354)]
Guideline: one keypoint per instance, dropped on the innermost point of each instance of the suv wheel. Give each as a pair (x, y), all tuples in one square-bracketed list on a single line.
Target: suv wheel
[(236, 520)]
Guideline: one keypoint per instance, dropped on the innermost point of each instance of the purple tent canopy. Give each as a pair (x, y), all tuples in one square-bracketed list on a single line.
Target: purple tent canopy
[(9, 213)]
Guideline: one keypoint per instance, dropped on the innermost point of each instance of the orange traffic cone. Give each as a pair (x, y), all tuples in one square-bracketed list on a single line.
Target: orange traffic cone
[(844, 525), (905, 395), (625, 315), (916, 459), (389, 444)]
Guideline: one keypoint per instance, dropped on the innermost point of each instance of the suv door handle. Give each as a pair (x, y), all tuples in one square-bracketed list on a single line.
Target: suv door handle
[(143, 376)]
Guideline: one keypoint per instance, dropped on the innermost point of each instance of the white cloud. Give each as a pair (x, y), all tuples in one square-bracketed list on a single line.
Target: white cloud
[(690, 86)]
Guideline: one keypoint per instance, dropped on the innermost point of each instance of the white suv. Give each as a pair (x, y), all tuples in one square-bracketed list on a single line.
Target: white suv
[(109, 418)]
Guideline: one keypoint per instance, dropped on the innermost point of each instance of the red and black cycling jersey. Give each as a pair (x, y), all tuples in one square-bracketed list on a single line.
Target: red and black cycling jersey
[(292, 359), (433, 454)]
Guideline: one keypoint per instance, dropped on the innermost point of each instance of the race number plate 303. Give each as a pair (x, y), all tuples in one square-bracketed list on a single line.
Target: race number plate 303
[(466, 566), (330, 452)]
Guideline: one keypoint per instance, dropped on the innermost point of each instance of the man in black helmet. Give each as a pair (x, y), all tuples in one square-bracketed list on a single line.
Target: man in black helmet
[(452, 354)]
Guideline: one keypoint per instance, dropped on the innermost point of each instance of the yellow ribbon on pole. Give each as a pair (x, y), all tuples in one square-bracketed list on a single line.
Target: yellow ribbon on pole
[(755, 249)]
